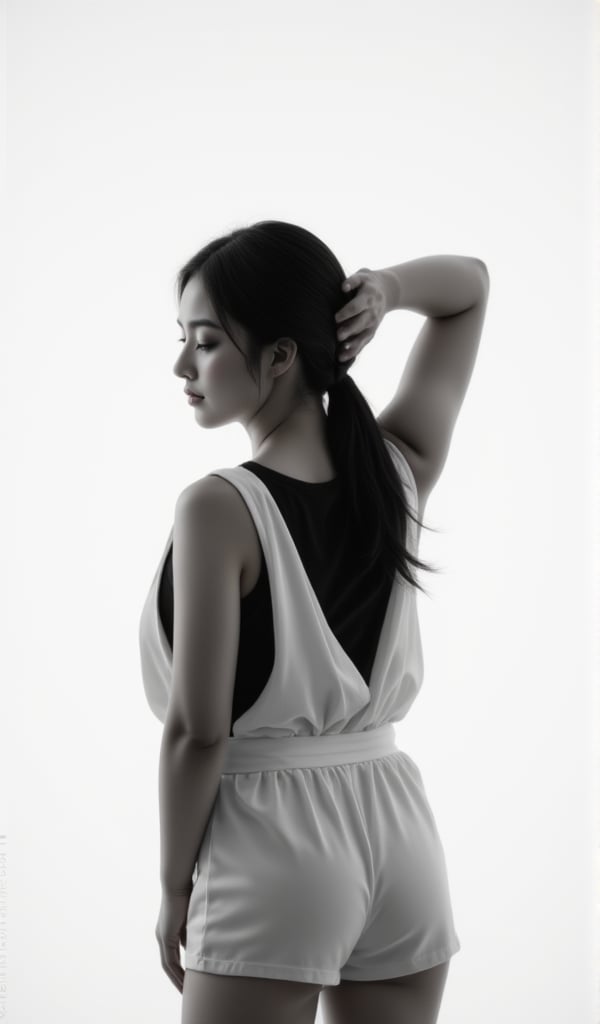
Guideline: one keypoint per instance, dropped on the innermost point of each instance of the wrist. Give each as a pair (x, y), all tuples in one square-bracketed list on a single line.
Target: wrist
[(390, 288)]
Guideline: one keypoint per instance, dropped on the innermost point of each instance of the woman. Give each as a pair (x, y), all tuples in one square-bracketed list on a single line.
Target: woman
[(280, 640)]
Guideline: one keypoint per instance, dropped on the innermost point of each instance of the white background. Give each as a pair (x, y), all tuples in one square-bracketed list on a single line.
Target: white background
[(138, 131)]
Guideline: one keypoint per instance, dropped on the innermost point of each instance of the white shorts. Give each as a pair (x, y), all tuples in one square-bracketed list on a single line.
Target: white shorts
[(321, 861)]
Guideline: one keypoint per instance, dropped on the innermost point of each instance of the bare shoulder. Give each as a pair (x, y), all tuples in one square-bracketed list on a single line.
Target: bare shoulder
[(219, 510), (416, 463)]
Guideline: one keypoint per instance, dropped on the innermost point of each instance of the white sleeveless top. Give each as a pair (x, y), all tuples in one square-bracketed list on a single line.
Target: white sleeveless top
[(314, 687)]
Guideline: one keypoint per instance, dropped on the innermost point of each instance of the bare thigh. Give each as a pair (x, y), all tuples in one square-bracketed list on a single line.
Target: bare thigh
[(239, 999), (413, 999)]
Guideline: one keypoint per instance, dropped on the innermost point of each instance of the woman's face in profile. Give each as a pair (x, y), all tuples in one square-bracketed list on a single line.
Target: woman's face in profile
[(210, 364)]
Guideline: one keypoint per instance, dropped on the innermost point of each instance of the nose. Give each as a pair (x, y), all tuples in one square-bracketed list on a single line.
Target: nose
[(180, 371)]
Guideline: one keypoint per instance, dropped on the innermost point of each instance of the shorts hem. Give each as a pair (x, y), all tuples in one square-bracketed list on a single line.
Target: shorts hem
[(417, 963), (280, 972)]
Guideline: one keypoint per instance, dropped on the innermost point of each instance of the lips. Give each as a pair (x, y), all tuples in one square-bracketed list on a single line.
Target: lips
[(194, 393)]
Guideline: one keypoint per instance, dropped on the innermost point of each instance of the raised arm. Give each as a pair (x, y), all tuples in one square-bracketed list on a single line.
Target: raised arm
[(452, 292)]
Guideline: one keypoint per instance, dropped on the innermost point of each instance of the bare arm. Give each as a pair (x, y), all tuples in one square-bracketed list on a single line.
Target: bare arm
[(189, 779), (206, 574), (452, 291), (435, 286)]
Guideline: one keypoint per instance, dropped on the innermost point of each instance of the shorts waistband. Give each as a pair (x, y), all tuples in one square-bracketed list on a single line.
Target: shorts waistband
[(266, 753)]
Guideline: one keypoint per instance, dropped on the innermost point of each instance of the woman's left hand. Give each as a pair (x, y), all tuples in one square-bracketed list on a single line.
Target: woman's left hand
[(170, 931)]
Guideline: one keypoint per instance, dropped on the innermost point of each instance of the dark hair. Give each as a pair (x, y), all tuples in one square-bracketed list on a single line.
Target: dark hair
[(278, 279)]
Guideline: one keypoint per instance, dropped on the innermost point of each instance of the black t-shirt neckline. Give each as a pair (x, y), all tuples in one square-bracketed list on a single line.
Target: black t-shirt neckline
[(291, 479)]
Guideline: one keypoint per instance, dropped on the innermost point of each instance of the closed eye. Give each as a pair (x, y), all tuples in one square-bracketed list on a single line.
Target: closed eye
[(206, 346)]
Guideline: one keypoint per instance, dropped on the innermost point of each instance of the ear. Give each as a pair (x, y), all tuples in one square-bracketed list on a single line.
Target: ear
[(283, 354)]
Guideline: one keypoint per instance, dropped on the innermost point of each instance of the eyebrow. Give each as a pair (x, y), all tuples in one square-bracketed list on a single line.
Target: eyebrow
[(198, 323)]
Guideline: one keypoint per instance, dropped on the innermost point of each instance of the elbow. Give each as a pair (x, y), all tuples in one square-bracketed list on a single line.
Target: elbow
[(178, 731), (483, 277), (482, 268)]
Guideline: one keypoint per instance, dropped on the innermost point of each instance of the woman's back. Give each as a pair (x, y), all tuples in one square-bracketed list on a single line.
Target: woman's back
[(353, 595), (310, 682)]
